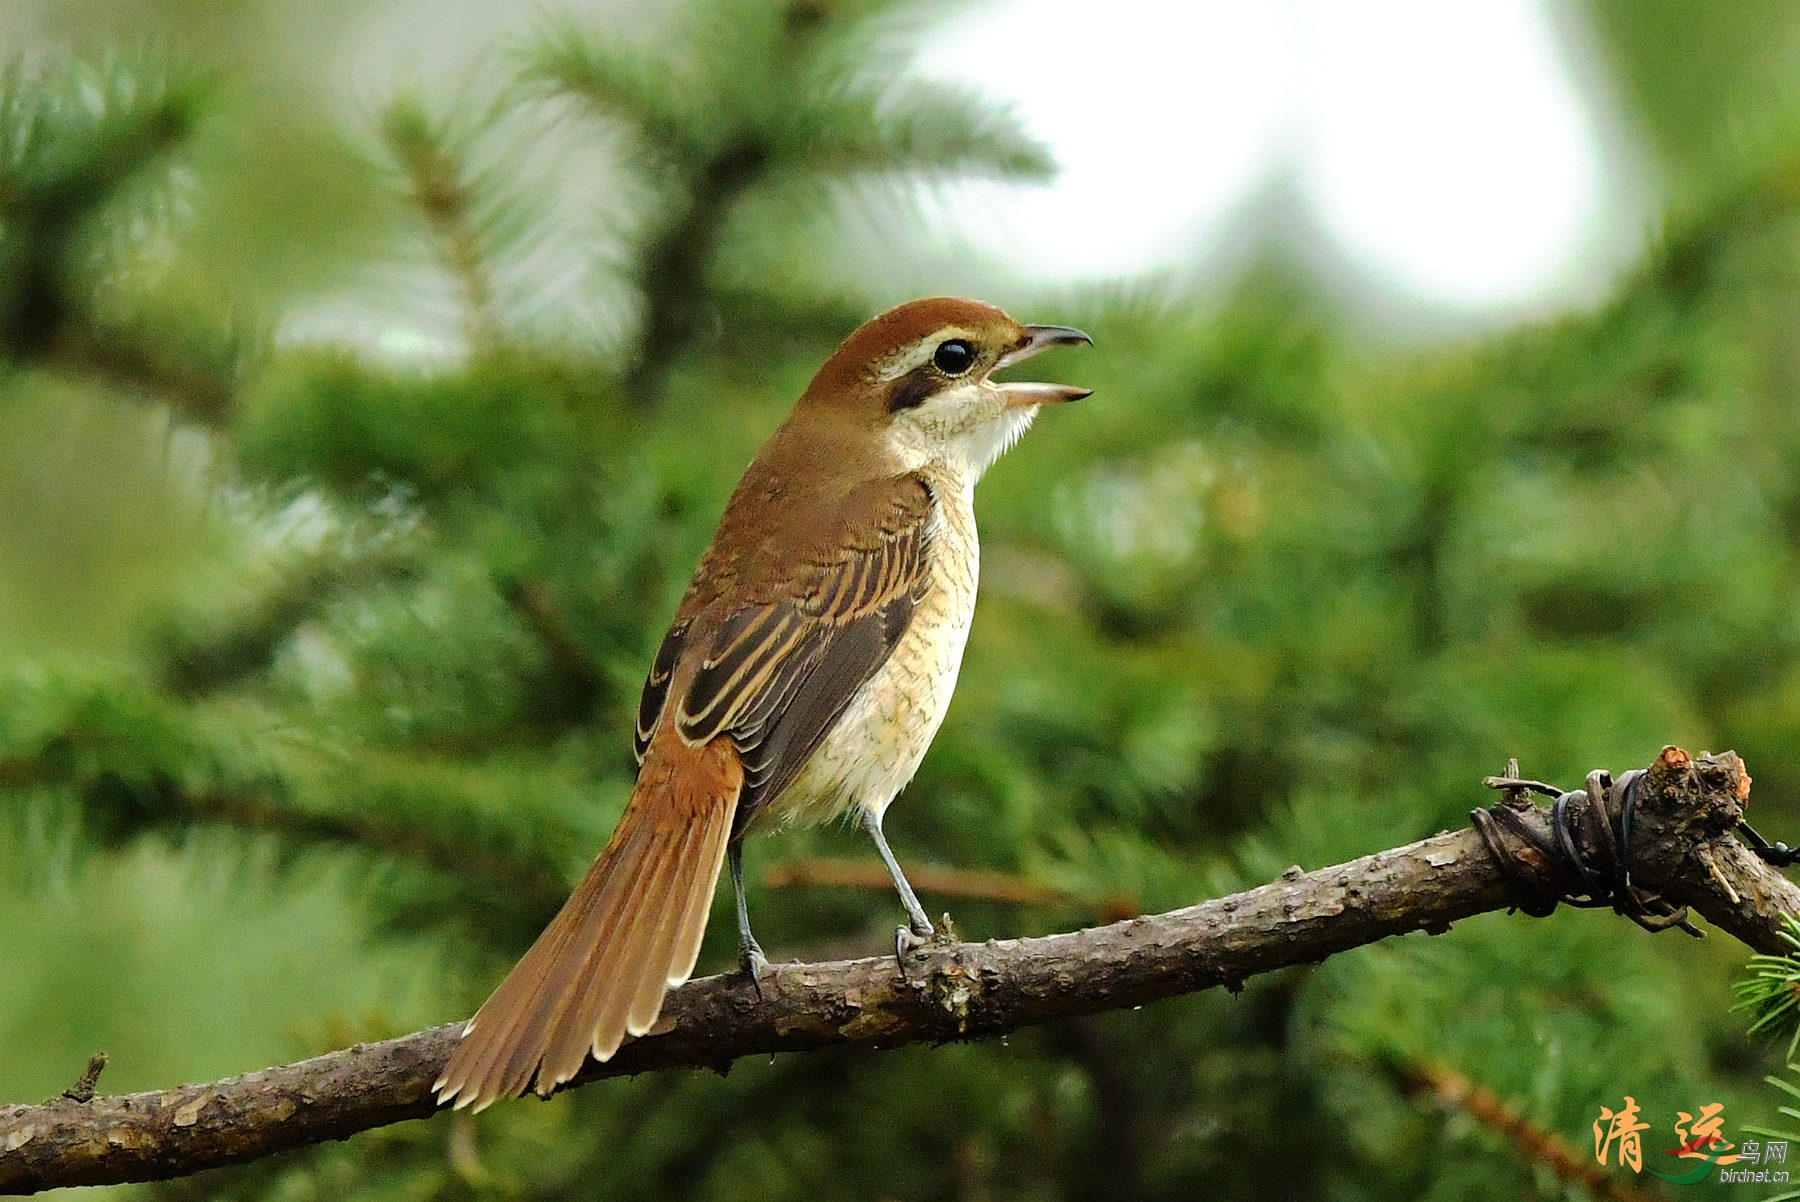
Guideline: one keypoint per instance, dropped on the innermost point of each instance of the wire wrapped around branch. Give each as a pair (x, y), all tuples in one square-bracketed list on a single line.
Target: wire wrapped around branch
[(1589, 838)]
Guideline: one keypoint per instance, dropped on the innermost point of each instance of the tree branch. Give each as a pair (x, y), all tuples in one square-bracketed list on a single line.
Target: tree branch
[(1681, 847)]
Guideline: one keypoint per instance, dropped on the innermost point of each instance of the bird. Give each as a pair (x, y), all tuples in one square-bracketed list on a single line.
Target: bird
[(808, 667)]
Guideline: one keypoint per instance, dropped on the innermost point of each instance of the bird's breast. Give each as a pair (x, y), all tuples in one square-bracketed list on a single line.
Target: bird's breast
[(877, 744)]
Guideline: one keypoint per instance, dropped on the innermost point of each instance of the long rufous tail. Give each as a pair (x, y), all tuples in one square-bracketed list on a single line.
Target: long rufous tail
[(630, 931)]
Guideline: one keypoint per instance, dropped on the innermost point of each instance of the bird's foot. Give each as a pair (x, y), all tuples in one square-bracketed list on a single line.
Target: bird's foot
[(909, 939), (753, 964)]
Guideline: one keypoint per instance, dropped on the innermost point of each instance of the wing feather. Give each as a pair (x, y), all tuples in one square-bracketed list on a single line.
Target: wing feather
[(779, 671), (656, 689)]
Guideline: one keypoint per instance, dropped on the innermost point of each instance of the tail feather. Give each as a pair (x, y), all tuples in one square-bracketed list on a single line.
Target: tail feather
[(603, 969), (640, 993), (631, 929), (686, 923), (686, 949), (609, 977), (551, 986)]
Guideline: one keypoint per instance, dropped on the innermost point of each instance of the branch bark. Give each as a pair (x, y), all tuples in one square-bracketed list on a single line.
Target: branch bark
[(1681, 847)]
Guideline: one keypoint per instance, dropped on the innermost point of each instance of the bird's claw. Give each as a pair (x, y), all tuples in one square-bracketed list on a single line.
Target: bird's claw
[(753, 964), (909, 939)]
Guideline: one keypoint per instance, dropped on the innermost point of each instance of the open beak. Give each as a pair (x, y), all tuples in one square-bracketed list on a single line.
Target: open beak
[(1037, 340)]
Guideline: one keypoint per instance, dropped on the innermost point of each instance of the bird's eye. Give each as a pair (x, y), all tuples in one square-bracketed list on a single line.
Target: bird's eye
[(954, 357)]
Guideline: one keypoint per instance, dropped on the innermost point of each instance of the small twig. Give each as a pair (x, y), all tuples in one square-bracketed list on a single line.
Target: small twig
[(1453, 1091), (83, 1090), (1511, 782), (976, 883), (578, 678), (672, 268), (1712, 868), (437, 182)]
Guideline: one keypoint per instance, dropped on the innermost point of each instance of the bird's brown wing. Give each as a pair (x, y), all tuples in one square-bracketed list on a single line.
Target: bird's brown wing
[(780, 670)]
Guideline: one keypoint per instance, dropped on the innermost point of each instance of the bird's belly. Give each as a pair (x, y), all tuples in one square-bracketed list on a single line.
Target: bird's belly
[(875, 747)]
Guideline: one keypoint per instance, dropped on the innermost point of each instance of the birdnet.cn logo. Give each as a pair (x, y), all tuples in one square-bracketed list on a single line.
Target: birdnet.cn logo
[(1700, 1149)]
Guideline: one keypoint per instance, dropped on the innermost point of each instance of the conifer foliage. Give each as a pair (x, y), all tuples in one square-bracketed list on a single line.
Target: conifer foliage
[(351, 467)]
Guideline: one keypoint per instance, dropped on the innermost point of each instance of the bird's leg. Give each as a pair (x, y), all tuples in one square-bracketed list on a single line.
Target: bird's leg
[(921, 928), (750, 953)]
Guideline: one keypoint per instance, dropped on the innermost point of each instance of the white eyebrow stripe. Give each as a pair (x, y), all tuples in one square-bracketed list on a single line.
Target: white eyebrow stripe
[(917, 354)]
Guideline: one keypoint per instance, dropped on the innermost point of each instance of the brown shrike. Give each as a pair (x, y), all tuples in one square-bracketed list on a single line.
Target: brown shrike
[(807, 669)]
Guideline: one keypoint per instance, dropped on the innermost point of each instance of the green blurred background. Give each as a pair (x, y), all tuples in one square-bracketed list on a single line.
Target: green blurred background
[(320, 638)]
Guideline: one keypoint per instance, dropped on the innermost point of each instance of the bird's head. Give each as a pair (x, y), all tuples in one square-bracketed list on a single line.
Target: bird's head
[(920, 377)]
